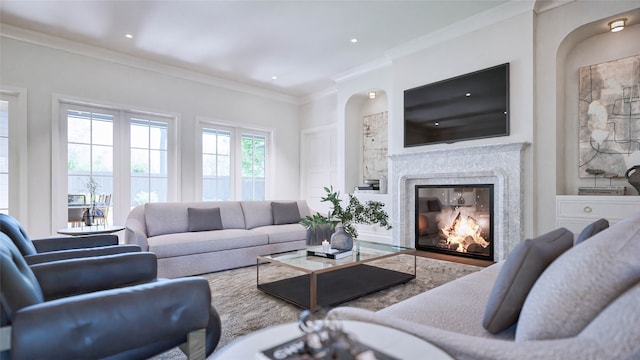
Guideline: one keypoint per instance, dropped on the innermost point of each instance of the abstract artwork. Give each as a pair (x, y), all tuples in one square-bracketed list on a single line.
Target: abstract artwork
[(375, 148), (609, 115)]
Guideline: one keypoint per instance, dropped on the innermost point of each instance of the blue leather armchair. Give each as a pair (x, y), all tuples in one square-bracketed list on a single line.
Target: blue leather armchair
[(59, 248), (62, 308)]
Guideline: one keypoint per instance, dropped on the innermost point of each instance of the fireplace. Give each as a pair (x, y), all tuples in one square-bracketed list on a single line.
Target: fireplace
[(500, 165), (455, 219)]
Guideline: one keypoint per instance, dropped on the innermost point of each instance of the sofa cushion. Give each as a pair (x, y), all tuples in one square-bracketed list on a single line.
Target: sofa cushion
[(522, 268), (285, 213), (188, 243), (283, 233), (581, 283), (592, 229), (204, 219), (257, 213), (454, 306)]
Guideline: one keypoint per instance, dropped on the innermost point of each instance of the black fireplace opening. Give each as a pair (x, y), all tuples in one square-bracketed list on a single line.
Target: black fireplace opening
[(455, 219)]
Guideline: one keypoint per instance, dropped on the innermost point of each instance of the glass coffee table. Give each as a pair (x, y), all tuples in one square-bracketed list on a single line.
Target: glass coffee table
[(313, 282)]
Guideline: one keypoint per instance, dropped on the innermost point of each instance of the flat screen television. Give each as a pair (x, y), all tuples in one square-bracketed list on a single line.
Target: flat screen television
[(470, 106)]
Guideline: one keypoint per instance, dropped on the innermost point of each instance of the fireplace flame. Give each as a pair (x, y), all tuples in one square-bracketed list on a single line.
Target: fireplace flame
[(463, 232)]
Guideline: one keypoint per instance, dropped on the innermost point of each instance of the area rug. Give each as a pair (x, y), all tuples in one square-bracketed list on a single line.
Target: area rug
[(243, 308)]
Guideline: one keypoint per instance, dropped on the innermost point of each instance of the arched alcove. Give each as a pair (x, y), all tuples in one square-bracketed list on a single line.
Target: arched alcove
[(358, 109), (587, 45)]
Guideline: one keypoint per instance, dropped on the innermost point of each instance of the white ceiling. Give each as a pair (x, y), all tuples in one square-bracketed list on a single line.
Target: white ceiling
[(304, 43)]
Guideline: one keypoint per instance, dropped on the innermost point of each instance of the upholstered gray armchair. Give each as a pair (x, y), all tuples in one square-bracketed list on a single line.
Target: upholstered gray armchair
[(59, 248), (132, 322)]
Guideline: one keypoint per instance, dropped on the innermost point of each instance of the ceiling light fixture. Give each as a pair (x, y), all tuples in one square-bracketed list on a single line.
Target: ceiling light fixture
[(617, 25), (354, 40), (274, 77), (372, 94), (128, 36)]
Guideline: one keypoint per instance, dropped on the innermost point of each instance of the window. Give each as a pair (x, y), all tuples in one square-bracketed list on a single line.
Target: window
[(216, 164), (234, 163), (129, 158), (4, 157), (13, 152), (253, 167), (149, 161), (89, 153)]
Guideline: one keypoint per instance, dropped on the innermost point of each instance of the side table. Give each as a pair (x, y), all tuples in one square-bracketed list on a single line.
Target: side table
[(90, 230), (391, 341)]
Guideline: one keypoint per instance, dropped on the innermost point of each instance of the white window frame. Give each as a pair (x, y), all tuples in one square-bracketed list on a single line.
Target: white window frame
[(236, 129), (121, 156), (18, 154)]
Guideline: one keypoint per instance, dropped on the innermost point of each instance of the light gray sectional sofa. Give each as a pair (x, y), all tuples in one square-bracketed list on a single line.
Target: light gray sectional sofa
[(191, 238), (582, 304)]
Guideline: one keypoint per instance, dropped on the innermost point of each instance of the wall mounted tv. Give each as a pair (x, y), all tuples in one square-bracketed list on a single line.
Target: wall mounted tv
[(470, 106)]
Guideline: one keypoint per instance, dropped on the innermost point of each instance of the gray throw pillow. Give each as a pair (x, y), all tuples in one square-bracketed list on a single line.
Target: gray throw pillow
[(592, 229), (285, 213), (204, 219), (520, 271)]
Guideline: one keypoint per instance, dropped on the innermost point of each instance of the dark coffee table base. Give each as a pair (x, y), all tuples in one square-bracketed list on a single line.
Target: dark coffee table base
[(336, 287)]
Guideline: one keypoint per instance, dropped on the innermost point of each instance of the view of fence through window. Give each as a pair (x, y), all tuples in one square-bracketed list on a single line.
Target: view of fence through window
[(149, 173), (4, 157)]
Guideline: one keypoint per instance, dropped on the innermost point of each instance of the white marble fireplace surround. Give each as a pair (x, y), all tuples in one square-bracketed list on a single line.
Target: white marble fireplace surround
[(500, 165)]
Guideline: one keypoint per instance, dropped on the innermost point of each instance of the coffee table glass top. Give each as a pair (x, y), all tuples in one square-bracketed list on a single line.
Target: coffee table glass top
[(363, 251)]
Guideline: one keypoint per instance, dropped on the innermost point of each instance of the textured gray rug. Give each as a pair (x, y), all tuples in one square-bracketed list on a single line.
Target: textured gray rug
[(243, 308)]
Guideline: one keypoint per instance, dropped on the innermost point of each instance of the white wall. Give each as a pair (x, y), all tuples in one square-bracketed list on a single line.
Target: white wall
[(319, 111), (46, 71)]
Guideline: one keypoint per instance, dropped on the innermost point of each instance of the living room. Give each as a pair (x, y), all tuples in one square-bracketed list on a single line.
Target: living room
[(545, 44), (539, 47)]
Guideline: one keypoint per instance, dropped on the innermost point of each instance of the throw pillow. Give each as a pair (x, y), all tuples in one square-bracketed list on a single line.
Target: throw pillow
[(285, 213), (580, 284), (591, 230), (520, 271), (204, 219)]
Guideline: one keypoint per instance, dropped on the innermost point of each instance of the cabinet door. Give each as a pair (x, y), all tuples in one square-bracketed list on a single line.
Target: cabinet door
[(576, 212)]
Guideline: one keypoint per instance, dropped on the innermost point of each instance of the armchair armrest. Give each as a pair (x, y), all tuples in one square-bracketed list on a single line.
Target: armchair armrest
[(74, 242), (78, 276), (93, 325), (80, 253)]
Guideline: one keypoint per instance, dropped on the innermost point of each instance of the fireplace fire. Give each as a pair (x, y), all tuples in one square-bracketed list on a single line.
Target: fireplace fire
[(455, 219)]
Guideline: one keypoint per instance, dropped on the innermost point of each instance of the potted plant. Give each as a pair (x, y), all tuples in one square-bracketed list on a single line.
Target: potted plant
[(355, 212)]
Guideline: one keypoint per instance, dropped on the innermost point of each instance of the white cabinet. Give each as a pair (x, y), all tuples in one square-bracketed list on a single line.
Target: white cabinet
[(577, 211), (375, 232)]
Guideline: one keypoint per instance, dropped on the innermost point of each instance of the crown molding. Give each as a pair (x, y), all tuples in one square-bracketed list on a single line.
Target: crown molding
[(58, 43), (465, 26), (542, 6), (361, 70), (333, 90)]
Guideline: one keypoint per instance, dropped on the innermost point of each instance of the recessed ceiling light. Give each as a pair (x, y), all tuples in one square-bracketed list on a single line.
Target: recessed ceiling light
[(128, 36), (467, 94), (372, 94), (354, 40)]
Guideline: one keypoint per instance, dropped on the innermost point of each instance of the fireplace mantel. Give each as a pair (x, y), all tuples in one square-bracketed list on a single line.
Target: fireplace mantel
[(500, 165)]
